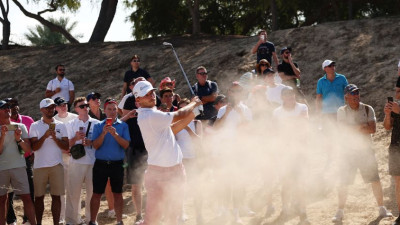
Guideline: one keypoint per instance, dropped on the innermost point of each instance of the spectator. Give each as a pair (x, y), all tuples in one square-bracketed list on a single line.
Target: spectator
[(49, 138), (27, 121), (219, 102), (64, 116), (168, 83), (80, 131), (165, 175), (14, 141), (61, 87), (392, 122), (358, 119), (110, 139), (207, 91), (94, 101), (290, 73), (290, 115), (274, 90), (133, 73), (265, 49), (167, 96), (330, 90)]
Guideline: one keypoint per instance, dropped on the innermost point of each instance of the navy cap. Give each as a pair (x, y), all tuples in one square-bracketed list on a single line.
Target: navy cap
[(59, 101), (350, 88), (286, 48), (3, 104), (93, 95)]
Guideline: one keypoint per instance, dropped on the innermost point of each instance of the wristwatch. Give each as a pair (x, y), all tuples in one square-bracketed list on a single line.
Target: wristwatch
[(20, 140)]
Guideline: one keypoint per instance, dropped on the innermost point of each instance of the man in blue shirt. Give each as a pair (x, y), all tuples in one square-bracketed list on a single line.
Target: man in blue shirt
[(330, 90), (110, 139)]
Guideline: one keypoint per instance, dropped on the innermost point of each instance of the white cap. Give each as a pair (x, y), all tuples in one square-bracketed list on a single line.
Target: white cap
[(142, 88), (46, 103), (326, 63)]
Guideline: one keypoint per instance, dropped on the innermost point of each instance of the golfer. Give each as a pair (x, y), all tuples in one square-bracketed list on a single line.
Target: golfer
[(165, 177)]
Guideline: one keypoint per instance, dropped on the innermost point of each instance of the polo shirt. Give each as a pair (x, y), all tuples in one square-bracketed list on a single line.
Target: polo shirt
[(26, 120), (332, 92), (49, 154), (65, 85), (11, 157), (209, 88), (158, 137), (110, 150), (72, 128), (65, 120), (130, 75)]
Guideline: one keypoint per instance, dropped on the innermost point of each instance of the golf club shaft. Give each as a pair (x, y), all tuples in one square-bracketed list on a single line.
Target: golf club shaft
[(183, 72)]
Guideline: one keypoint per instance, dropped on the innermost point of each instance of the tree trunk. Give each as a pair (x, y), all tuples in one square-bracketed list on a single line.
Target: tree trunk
[(194, 10), (50, 25), (106, 16), (274, 15), (350, 9), (6, 33)]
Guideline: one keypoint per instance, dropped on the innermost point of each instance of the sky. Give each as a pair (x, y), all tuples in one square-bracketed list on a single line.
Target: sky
[(85, 17)]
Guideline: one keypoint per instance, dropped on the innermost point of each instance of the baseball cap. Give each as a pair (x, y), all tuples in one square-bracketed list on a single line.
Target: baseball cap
[(327, 62), (350, 88), (219, 99), (59, 101), (46, 103), (3, 104), (286, 48), (93, 95), (142, 88)]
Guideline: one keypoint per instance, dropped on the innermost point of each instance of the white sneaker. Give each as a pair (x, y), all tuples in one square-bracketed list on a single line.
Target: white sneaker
[(339, 216), (383, 212)]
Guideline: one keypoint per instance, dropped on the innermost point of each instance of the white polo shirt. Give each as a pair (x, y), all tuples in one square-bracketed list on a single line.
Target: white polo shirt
[(65, 120), (65, 85), (158, 137), (185, 141), (72, 128), (49, 154)]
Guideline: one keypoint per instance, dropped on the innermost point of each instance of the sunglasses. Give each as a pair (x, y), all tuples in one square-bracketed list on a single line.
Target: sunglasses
[(202, 73), (61, 70), (135, 60), (263, 64), (332, 65), (355, 92), (94, 98), (83, 106)]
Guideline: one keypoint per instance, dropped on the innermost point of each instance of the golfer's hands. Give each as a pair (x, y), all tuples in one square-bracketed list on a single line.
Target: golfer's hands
[(196, 100)]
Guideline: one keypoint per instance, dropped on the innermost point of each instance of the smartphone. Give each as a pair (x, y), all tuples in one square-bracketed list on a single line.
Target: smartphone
[(82, 129), (390, 99), (109, 121), (11, 127), (52, 126)]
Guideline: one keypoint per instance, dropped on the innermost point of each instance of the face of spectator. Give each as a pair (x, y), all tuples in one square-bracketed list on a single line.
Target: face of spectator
[(48, 112), (5, 112), (201, 76), (286, 54), (330, 69), (61, 71), (94, 102), (147, 101), (82, 108), (111, 110), (135, 63), (236, 93), (14, 109), (353, 99), (63, 108), (167, 98), (289, 99)]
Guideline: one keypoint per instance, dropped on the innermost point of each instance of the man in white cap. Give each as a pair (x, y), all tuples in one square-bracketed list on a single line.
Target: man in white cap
[(330, 87), (48, 137), (165, 176)]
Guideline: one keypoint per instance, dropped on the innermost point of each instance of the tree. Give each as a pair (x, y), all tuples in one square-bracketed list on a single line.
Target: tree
[(6, 24), (193, 6), (43, 36), (106, 16)]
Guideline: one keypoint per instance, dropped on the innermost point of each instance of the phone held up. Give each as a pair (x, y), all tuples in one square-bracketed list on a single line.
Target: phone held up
[(390, 99), (109, 122)]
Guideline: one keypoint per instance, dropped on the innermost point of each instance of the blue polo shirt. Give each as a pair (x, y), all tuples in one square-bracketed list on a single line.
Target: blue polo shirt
[(110, 149), (332, 92)]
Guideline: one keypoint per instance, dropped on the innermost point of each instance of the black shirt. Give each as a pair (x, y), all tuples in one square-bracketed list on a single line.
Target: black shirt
[(102, 115), (264, 51), (209, 88), (286, 68), (130, 75), (134, 130), (395, 139)]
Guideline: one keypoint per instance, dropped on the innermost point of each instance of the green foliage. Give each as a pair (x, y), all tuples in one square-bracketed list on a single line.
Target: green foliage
[(155, 17), (43, 36)]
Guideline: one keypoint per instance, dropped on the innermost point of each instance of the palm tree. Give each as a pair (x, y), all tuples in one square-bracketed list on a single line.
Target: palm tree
[(43, 36)]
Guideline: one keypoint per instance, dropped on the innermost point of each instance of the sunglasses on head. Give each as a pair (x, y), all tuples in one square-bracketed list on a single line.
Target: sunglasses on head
[(202, 73), (83, 106)]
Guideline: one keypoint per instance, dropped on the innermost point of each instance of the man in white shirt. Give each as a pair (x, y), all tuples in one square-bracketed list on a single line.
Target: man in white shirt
[(80, 131), (64, 116), (61, 86), (165, 176), (48, 137)]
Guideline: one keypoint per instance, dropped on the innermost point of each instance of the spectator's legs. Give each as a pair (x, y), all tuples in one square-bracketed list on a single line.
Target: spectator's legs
[(94, 206), (39, 208), (11, 218), (109, 196), (3, 202), (137, 197), (378, 193), (55, 208), (28, 208), (118, 204)]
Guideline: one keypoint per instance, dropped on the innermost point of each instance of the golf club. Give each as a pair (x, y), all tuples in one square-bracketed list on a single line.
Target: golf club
[(184, 74)]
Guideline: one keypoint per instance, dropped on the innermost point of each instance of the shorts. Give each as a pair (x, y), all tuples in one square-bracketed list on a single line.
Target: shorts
[(102, 170), (49, 175), (394, 160), (137, 165), (365, 162), (18, 179)]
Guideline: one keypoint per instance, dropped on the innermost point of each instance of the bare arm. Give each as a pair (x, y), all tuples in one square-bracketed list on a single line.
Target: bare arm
[(123, 92), (71, 97), (2, 140), (185, 111), (181, 124), (368, 128), (99, 140), (276, 61), (37, 143), (50, 93), (388, 120), (209, 98), (255, 48), (62, 143), (121, 141)]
